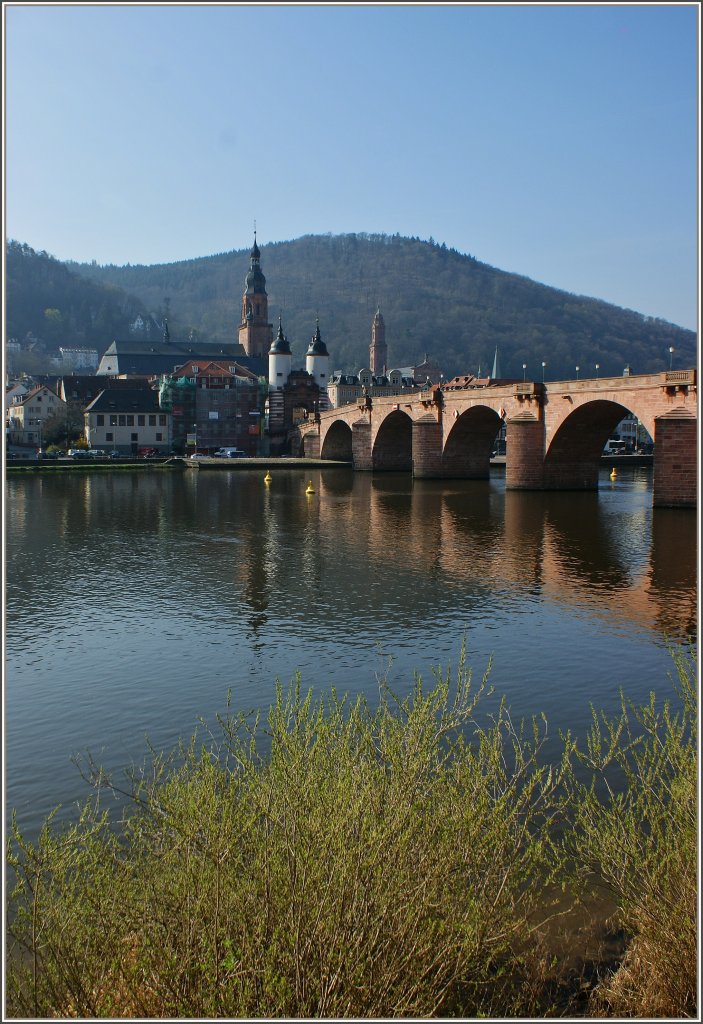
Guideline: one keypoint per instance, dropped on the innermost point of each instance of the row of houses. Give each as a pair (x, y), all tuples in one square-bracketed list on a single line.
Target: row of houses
[(201, 404)]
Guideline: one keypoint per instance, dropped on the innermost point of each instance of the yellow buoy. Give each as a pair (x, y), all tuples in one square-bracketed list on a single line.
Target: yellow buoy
[(614, 474), (310, 489), (268, 478)]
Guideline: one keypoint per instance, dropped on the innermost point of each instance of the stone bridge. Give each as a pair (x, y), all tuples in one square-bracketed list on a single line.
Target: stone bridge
[(555, 431)]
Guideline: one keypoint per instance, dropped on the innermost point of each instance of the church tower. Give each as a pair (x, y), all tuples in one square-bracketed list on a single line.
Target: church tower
[(378, 350), (255, 332)]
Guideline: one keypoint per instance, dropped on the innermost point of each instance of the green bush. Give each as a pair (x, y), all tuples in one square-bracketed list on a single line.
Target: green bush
[(344, 861), (639, 841), (374, 863)]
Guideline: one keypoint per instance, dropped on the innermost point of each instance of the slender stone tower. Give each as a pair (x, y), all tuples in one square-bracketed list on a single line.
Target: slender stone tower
[(378, 350), (255, 332)]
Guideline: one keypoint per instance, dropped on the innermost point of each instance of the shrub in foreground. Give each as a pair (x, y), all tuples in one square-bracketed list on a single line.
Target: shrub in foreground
[(375, 863), (640, 843), (389, 862)]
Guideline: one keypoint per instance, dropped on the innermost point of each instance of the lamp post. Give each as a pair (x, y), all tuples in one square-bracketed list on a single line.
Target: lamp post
[(543, 367), (671, 357), (524, 372), (597, 369), (577, 372)]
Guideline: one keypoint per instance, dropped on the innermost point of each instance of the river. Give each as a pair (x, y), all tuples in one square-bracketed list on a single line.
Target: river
[(135, 601)]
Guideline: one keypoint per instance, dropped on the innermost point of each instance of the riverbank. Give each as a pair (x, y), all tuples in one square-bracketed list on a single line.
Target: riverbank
[(34, 465), (65, 465)]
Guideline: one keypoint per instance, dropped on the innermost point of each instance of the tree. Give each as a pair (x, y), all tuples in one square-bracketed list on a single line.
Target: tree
[(65, 426)]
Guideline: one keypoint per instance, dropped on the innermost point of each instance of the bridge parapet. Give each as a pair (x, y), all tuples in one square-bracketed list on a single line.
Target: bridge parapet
[(681, 377)]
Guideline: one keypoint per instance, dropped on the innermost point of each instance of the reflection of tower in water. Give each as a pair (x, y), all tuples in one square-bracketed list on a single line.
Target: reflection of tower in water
[(255, 569)]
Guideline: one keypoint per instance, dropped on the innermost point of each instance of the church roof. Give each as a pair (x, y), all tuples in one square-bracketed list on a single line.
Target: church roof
[(142, 358), (255, 282)]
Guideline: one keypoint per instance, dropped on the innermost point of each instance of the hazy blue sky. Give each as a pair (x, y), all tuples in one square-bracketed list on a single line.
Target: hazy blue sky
[(559, 142)]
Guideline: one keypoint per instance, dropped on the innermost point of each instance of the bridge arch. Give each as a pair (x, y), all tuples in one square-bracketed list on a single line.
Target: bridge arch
[(337, 442), (469, 444), (393, 445), (573, 457)]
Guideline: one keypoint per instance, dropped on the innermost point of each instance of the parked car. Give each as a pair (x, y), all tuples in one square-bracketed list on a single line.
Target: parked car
[(115, 455), (198, 455), (78, 453), (230, 453), (615, 448), (147, 453), (97, 453)]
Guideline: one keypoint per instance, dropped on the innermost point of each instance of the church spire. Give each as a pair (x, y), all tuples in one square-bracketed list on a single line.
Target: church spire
[(495, 372), (255, 332)]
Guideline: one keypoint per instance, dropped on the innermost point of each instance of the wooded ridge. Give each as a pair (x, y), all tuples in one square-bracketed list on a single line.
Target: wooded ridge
[(434, 301)]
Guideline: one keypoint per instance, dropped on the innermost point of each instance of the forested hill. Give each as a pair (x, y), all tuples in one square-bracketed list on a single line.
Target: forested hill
[(47, 301), (434, 300)]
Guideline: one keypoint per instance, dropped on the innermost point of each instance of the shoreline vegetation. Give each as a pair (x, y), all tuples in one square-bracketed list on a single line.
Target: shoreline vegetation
[(414, 859)]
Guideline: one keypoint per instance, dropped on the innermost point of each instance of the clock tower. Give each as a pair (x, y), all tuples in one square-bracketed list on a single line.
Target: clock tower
[(255, 332)]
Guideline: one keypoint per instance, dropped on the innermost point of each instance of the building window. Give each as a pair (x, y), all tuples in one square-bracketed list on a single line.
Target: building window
[(109, 437), (162, 419), (134, 437), (113, 420), (141, 420), (159, 437), (130, 421), (152, 421), (122, 421), (100, 420)]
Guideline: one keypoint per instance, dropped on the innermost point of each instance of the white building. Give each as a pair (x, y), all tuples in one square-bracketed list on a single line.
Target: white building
[(127, 419), (27, 413)]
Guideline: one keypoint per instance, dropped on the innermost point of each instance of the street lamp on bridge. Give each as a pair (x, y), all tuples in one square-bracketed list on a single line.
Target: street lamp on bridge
[(577, 372), (597, 369), (671, 357), (524, 372), (543, 366)]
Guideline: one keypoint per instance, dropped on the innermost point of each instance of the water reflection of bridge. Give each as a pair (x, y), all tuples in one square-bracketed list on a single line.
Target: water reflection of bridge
[(564, 546), (555, 432), (569, 548)]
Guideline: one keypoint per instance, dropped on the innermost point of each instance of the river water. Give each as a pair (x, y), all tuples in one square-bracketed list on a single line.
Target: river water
[(134, 601)]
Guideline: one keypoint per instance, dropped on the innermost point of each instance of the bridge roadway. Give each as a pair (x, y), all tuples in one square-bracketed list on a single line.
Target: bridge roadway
[(555, 431)]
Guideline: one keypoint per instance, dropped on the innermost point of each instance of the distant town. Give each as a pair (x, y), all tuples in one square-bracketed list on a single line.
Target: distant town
[(156, 397)]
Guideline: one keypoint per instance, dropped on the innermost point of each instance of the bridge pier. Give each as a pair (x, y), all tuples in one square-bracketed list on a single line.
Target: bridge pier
[(675, 460), (427, 448), (362, 458), (524, 439), (311, 444)]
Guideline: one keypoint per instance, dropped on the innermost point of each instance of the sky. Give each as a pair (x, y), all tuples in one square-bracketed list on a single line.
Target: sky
[(555, 141)]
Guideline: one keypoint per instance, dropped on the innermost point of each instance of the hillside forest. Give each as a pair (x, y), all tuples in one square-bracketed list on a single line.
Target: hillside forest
[(435, 301)]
